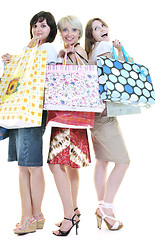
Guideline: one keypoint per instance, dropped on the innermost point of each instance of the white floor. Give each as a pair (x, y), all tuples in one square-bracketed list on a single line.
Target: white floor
[(134, 203)]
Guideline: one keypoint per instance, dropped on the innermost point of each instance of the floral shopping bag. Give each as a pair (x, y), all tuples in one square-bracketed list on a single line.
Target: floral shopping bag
[(72, 88)]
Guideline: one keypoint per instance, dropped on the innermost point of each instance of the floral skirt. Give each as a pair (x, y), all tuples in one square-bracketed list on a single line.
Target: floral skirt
[(69, 147)]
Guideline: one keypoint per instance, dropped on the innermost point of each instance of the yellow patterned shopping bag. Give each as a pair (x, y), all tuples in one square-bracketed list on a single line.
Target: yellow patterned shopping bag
[(22, 90)]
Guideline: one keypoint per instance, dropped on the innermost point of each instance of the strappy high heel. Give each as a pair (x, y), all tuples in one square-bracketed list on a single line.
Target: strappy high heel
[(59, 224), (74, 223), (117, 224), (77, 214)]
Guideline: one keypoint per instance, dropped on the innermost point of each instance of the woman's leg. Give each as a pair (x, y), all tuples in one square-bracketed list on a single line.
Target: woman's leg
[(64, 188), (73, 175), (31, 182), (37, 185), (114, 181), (25, 193), (111, 187), (100, 178)]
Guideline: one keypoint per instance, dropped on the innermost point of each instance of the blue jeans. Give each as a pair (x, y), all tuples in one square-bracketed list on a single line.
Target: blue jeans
[(25, 145)]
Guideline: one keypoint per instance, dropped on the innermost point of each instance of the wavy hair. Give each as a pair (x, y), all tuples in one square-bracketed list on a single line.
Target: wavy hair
[(89, 40)]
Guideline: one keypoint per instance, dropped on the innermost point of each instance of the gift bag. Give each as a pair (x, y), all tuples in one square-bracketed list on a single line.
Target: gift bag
[(72, 88), (125, 82), (118, 109), (22, 90), (70, 119), (4, 133)]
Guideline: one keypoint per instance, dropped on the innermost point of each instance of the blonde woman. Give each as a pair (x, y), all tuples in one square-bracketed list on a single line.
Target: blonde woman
[(68, 146)]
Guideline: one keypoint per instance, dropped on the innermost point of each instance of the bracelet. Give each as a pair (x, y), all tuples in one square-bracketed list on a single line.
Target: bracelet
[(59, 60)]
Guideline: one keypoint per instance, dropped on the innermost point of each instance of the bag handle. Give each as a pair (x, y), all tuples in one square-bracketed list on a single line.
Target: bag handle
[(79, 60), (31, 59), (125, 54)]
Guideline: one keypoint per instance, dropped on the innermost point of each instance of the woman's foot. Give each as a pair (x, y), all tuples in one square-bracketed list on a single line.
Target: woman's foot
[(105, 212), (76, 211), (29, 226), (23, 221), (40, 220), (66, 225)]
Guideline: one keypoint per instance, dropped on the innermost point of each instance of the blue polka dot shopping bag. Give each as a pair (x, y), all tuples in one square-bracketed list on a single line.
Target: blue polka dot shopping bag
[(125, 82)]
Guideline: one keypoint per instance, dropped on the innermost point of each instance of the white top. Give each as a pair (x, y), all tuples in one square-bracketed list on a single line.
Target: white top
[(51, 52), (99, 48)]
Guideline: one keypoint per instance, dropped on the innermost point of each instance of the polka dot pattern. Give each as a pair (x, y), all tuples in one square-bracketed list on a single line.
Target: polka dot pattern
[(125, 82)]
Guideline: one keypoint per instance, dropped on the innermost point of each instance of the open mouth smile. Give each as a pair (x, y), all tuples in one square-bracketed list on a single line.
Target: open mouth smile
[(104, 35)]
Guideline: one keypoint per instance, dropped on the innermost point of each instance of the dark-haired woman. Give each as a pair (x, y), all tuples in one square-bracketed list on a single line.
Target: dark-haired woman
[(25, 144)]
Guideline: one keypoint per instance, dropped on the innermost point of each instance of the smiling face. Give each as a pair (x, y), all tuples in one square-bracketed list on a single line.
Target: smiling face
[(99, 31), (41, 30), (70, 35)]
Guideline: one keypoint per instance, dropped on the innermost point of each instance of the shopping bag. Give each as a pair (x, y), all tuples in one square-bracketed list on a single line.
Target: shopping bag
[(72, 88), (118, 109), (125, 82), (4, 133), (22, 90), (70, 119)]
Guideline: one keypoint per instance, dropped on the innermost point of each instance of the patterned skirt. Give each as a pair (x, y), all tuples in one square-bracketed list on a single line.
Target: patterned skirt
[(69, 147)]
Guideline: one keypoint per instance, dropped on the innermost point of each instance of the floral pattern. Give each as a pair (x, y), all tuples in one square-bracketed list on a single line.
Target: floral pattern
[(13, 86), (72, 87)]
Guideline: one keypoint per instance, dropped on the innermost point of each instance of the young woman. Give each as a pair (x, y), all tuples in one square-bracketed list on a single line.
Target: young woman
[(68, 146), (107, 140), (25, 144)]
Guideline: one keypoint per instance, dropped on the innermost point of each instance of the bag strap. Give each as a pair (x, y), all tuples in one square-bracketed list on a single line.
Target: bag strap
[(114, 54), (82, 57), (125, 54), (65, 58), (78, 58), (30, 62)]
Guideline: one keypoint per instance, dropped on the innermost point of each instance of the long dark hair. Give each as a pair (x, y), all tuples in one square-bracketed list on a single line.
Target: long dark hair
[(89, 40), (50, 22)]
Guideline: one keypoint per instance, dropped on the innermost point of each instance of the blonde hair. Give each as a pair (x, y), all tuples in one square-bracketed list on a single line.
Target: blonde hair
[(71, 21), (89, 40)]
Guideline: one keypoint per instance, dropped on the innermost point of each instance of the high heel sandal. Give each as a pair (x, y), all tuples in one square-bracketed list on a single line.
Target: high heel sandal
[(29, 227), (59, 224), (74, 223), (117, 224), (77, 214), (40, 221)]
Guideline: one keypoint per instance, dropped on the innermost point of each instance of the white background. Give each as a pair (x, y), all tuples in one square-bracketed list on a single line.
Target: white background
[(132, 22)]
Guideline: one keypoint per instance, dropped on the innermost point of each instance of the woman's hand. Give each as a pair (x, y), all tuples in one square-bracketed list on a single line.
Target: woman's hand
[(69, 49), (61, 53), (34, 41), (118, 45), (6, 58)]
